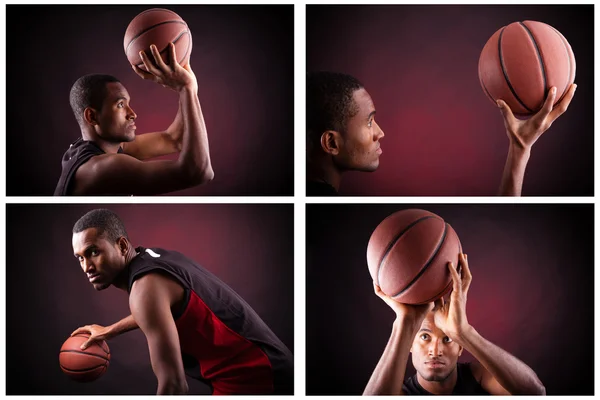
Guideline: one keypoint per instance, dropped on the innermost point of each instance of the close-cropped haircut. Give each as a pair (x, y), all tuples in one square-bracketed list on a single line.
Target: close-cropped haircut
[(89, 91), (329, 102), (108, 224)]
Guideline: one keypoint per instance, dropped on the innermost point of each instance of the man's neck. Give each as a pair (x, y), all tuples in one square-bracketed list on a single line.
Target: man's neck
[(442, 387), (122, 280), (324, 172), (107, 147)]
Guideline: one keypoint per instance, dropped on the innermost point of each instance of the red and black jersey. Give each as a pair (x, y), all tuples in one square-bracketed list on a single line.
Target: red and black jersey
[(223, 340), (78, 153)]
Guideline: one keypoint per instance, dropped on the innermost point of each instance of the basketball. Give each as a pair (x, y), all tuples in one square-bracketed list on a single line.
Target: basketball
[(408, 256), (160, 27), (84, 365), (522, 61)]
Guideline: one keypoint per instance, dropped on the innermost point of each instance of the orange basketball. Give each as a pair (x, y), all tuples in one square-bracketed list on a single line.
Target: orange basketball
[(408, 256), (84, 365), (522, 61), (160, 27)]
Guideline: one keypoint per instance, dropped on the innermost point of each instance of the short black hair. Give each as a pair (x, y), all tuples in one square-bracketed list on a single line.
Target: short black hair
[(89, 91), (329, 103), (105, 221)]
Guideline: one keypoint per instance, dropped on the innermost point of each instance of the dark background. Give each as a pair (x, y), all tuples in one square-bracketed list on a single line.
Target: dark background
[(249, 247), (443, 136), (532, 292), (243, 58)]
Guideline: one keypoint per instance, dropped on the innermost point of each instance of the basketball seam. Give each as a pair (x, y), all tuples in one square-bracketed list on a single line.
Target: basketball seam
[(174, 42), (150, 28), (563, 40), (437, 295), (395, 240), (486, 91), (427, 264), (539, 55), (506, 74), (82, 370), (83, 352)]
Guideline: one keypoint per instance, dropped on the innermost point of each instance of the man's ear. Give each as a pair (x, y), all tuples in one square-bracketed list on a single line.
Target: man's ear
[(90, 116), (330, 142), (460, 351), (123, 245)]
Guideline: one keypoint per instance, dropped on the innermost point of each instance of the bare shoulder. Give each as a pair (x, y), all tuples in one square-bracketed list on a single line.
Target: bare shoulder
[(158, 286)]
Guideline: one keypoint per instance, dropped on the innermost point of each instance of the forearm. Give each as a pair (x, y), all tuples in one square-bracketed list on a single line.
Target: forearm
[(125, 325), (388, 376), (513, 374), (175, 130), (194, 156), (514, 171)]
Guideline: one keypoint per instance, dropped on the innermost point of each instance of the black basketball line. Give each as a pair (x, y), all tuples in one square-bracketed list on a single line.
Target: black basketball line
[(84, 353), (505, 73), (437, 295), (150, 28), (427, 264), (563, 41), (539, 55), (486, 91), (393, 242), (175, 42), (82, 370)]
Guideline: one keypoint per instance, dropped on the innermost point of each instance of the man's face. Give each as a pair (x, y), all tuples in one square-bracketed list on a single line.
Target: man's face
[(360, 148), (101, 260), (434, 355), (116, 118)]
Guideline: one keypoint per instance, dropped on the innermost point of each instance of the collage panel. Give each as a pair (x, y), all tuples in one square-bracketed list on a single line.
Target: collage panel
[(528, 270), (201, 126), (408, 93), (211, 287)]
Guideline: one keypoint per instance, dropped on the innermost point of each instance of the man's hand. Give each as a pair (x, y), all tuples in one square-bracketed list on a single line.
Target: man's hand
[(97, 334), (171, 75), (451, 316), (414, 313), (524, 133)]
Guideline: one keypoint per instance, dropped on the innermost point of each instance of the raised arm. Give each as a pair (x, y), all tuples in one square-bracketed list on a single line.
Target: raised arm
[(150, 301), (522, 134), (498, 371), (119, 174), (388, 376)]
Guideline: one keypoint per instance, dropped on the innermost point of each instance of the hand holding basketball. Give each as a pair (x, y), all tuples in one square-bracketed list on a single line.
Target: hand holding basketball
[(524, 133), (97, 334), (171, 75), (415, 313), (451, 316)]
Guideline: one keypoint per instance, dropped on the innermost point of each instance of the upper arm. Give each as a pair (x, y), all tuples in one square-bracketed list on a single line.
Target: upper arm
[(151, 145), (487, 380), (120, 174), (150, 301)]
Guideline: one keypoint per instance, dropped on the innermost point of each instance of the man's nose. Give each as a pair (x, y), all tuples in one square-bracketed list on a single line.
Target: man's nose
[(380, 133), (87, 265), (435, 349), (131, 114)]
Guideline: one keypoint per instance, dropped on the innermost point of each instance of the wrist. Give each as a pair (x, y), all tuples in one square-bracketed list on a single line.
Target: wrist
[(519, 150), (464, 337), (191, 88)]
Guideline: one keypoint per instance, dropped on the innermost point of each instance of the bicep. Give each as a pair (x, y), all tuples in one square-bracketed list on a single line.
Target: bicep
[(487, 380), (150, 145), (120, 174), (153, 315)]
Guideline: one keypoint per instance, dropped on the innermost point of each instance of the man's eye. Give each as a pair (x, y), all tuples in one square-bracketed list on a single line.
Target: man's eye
[(424, 336), (120, 105), (94, 252), (447, 340), (370, 124)]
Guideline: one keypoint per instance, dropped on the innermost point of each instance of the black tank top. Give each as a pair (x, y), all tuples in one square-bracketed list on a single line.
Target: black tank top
[(78, 153), (466, 383), (223, 340)]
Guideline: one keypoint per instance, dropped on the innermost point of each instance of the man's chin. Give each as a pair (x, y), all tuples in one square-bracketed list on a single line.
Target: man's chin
[(100, 286)]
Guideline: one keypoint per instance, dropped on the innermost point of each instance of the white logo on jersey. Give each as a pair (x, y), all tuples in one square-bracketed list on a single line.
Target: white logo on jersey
[(153, 254)]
